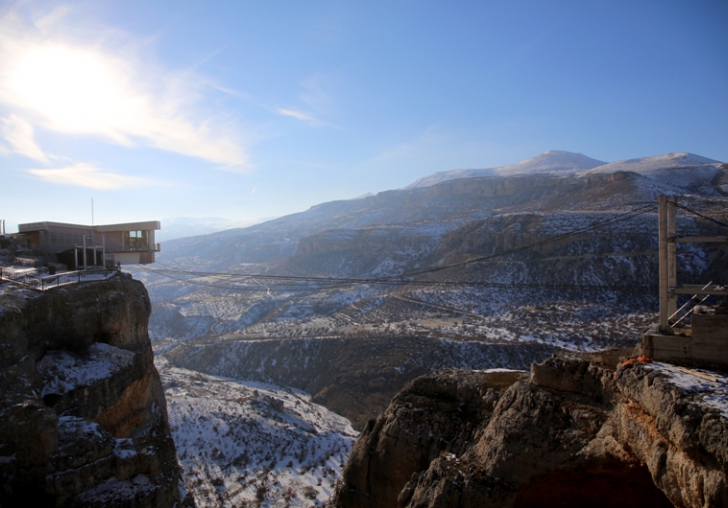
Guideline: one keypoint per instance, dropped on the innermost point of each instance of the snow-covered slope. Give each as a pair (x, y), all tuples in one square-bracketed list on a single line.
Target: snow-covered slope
[(553, 161), (656, 164), (242, 443), (681, 171)]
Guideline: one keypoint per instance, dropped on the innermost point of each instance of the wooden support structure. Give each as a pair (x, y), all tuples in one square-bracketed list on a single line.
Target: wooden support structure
[(706, 342)]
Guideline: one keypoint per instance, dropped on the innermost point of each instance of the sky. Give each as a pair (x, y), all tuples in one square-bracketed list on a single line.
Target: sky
[(248, 110)]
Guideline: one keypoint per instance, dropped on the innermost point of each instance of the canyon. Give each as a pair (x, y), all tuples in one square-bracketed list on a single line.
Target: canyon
[(462, 324)]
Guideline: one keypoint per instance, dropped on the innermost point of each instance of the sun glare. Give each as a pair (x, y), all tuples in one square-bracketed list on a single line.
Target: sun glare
[(75, 89)]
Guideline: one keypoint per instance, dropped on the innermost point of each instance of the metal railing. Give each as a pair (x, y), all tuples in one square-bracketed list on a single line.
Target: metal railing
[(57, 280)]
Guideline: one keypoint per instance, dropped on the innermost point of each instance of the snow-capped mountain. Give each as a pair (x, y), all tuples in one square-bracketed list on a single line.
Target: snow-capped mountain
[(673, 173), (658, 164), (553, 161)]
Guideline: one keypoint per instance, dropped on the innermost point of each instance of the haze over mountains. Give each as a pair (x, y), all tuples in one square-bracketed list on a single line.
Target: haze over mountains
[(180, 227)]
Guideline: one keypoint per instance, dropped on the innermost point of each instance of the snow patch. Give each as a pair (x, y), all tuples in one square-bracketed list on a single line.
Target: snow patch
[(712, 393), (64, 371)]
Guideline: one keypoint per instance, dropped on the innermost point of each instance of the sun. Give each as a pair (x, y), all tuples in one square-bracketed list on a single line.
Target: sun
[(77, 90)]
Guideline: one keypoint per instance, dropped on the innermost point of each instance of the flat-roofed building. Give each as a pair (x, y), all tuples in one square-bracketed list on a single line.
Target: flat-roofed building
[(101, 245)]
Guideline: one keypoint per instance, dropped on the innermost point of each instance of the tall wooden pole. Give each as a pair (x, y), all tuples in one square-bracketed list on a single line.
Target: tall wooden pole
[(663, 257), (671, 256)]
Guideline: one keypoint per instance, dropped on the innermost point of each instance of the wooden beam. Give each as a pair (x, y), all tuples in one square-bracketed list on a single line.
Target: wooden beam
[(671, 255), (690, 289), (700, 239)]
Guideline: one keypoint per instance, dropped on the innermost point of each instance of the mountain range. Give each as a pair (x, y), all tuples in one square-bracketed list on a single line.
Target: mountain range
[(568, 163), (519, 259)]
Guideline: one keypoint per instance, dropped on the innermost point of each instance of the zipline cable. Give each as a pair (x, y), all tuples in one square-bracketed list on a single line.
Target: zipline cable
[(397, 280)]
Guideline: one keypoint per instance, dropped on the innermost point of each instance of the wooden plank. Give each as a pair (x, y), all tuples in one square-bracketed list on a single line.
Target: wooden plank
[(698, 290), (700, 375), (701, 239)]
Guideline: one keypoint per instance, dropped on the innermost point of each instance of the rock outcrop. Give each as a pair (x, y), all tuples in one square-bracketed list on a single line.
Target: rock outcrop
[(84, 419), (575, 432)]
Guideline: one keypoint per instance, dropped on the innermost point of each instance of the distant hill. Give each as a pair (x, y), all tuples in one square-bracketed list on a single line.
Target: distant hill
[(182, 227)]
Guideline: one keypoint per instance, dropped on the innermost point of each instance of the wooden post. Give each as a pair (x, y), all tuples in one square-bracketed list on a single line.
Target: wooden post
[(663, 257), (671, 256)]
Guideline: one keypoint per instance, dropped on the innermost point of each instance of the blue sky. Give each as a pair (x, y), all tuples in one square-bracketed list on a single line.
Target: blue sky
[(253, 109)]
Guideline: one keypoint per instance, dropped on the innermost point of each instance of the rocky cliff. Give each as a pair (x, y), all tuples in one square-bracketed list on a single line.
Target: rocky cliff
[(575, 432), (84, 419)]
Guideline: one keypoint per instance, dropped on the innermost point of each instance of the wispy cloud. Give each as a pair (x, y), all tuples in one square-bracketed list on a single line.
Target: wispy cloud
[(110, 88), (316, 98), (87, 175), (300, 115), (19, 135), (316, 91)]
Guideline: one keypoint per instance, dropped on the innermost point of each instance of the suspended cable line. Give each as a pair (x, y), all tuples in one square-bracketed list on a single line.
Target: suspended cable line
[(702, 216), (288, 283)]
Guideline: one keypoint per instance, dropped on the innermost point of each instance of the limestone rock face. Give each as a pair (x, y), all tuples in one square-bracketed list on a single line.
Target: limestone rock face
[(574, 433), (84, 420)]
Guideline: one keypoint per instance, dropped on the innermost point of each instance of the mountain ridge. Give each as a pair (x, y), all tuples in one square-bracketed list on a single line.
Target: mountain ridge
[(574, 164), (663, 171), (552, 161)]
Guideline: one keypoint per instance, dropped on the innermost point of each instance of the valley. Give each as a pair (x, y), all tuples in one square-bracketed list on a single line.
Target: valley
[(349, 301)]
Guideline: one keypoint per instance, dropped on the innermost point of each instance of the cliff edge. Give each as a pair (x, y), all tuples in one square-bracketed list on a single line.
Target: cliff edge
[(574, 431), (83, 416)]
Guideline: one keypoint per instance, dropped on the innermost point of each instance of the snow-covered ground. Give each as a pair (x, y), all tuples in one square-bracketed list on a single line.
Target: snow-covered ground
[(64, 371), (246, 443), (709, 389)]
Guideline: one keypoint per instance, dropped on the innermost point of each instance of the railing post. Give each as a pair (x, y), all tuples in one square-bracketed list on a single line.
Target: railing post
[(84, 252)]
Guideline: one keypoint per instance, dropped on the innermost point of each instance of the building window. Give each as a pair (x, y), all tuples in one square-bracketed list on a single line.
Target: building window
[(136, 240)]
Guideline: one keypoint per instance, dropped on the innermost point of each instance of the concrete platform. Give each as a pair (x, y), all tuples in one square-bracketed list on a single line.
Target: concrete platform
[(705, 345)]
